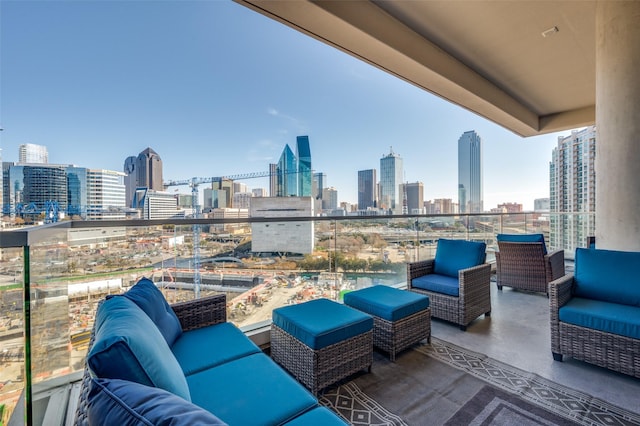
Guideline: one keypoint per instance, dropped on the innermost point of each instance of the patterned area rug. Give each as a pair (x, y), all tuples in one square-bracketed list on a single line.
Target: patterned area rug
[(441, 384)]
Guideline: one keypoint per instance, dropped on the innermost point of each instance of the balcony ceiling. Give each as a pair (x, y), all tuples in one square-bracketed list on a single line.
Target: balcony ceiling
[(489, 57)]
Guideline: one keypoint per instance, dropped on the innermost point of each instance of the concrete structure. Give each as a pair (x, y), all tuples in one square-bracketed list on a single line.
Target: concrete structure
[(390, 180), (283, 237), (572, 178), (229, 213), (33, 154), (500, 60), (242, 200), (367, 189), (470, 194), (260, 192)]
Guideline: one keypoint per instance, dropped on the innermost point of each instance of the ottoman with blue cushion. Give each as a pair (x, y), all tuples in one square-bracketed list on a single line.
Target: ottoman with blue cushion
[(321, 342), (400, 318)]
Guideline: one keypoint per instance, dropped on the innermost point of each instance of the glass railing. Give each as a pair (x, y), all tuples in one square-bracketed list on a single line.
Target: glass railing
[(52, 276)]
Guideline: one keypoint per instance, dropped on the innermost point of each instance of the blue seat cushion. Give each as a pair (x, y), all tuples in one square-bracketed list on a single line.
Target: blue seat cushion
[(150, 299), (386, 302), (207, 347), (523, 238), (128, 346), (319, 416), (252, 390), (454, 255), (607, 275), (438, 284), (623, 320), (321, 322), (120, 402)]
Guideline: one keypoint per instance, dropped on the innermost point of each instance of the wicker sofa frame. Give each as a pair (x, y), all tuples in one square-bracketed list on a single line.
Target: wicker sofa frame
[(612, 351), (474, 297), (192, 314), (525, 266), (317, 369)]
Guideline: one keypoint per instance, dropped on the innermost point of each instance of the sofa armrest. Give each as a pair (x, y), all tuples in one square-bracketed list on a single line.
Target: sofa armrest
[(199, 313), (418, 269), (560, 292), (474, 281), (554, 265)]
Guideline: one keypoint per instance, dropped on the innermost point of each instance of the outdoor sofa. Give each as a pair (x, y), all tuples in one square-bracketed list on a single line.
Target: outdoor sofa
[(152, 363), (595, 312)]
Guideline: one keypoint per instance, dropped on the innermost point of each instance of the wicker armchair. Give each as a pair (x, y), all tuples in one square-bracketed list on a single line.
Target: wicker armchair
[(526, 266), (474, 292)]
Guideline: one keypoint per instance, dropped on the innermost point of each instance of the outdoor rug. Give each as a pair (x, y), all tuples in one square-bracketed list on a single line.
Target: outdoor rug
[(443, 384)]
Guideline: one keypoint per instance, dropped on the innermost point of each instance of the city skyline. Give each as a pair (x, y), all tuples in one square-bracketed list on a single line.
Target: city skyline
[(223, 92)]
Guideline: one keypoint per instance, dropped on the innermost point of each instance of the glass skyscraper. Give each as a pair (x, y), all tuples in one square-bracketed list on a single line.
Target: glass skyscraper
[(390, 180), (304, 166), (367, 184), (287, 185), (30, 153), (470, 194)]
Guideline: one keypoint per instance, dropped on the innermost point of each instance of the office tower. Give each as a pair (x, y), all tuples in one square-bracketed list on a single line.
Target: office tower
[(45, 184), (367, 189), (287, 185), (239, 187), (78, 194), (156, 204), (470, 195), (541, 204), (319, 183), (225, 185), (130, 179), (149, 170), (329, 199), (303, 153), (1, 188), (105, 194), (215, 199), (273, 179), (242, 200), (30, 153), (390, 180), (572, 180), (414, 193), (259, 192)]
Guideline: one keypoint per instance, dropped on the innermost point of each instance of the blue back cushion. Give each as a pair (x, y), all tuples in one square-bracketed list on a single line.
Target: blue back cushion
[(149, 298), (120, 402), (454, 255), (129, 346), (523, 238), (608, 275)]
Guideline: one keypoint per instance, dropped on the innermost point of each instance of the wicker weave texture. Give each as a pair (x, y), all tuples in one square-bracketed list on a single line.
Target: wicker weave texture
[(395, 336), (474, 297), (208, 310), (525, 266), (608, 350), (317, 369)]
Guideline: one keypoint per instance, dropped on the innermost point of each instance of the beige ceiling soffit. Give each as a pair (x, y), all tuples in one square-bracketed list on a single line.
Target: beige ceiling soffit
[(581, 117), (362, 29)]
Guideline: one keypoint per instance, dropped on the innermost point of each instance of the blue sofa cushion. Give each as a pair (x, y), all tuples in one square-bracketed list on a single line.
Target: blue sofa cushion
[(220, 343), (320, 416), (252, 390), (607, 275), (149, 298), (454, 255), (623, 320), (321, 322), (523, 238), (129, 346), (386, 302), (438, 284), (124, 403)]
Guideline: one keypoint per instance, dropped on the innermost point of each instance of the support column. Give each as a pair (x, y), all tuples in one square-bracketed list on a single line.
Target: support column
[(617, 161)]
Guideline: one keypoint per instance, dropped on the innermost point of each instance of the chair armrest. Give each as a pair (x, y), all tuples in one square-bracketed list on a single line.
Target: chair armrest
[(474, 280), (418, 269), (554, 265), (202, 312), (560, 292)]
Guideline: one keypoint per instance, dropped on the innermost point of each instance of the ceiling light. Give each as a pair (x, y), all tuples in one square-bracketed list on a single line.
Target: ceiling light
[(551, 31)]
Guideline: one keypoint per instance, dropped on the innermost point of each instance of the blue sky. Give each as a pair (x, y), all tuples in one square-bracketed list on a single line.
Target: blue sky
[(217, 89)]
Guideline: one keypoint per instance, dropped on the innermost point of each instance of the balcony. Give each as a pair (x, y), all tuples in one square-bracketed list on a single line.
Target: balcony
[(59, 272)]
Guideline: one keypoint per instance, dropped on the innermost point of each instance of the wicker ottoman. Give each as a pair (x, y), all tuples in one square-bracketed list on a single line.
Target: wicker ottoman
[(321, 342), (400, 318)]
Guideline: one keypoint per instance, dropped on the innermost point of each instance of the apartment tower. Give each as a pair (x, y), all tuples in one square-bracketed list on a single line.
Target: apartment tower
[(390, 180), (470, 195)]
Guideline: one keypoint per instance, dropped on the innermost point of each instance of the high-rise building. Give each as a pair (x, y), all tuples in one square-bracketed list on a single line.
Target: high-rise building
[(329, 199), (305, 172), (390, 180), (441, 206), (470, 193), (572, 178), (106, 195), (45, 184), (156, 204), (287, 185), (273, 180), (30, 153), (414, 193), (130, 178), (541, 204), (227, 186), (260, 192), (149, 170), (367, 189), (242, 200), (319, 183)]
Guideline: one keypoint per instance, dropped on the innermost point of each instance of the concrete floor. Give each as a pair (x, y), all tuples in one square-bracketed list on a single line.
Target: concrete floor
[(517, 333)]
